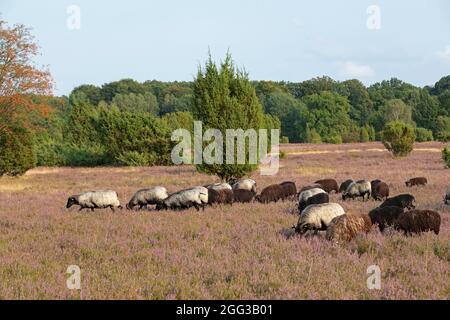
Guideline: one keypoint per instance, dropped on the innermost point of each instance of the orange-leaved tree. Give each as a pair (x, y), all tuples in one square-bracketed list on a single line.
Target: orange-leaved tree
[(21, 81), (20, 77)]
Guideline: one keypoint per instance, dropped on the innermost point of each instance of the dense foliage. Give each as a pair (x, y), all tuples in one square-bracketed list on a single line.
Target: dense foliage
[(225, 99), (105, 125), (398, 137)]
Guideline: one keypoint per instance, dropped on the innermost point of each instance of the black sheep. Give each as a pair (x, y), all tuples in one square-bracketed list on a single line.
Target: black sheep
[(402, 201), (242, 195), (315, 199), (385, 216)]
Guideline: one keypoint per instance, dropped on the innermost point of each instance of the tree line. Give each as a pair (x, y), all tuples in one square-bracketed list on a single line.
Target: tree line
[(127, 122)]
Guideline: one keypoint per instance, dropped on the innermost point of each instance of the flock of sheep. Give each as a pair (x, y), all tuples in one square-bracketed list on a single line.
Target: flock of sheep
[(315, 210)]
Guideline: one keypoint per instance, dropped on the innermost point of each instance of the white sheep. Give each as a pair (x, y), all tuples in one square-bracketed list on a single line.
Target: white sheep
[(318, 216), (95, 199), (148, 196), (245, 184), (305, 195), (360, 188), (219, 186), (193, 197)]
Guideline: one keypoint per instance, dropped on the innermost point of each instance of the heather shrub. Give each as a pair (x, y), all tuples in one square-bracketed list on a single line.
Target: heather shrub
[(442, 250), (398, 138)]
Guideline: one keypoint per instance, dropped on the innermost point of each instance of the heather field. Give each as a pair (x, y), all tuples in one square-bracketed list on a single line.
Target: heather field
[(238, 252)]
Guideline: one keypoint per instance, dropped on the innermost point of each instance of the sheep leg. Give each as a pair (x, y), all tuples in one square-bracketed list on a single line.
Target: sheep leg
[(112, 209), (196, 206)]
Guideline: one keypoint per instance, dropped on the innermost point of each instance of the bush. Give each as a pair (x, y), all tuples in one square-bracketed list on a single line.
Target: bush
[(443, 128), (423, 135), (364, 135), (284, 139), (398, 137), (17, 154), (446, 156)]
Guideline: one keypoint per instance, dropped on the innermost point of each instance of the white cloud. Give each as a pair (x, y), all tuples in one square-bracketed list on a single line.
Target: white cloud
[(353, 69), (445, 54)]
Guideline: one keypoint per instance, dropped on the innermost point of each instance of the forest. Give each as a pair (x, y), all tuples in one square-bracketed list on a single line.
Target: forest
[(130, 123)]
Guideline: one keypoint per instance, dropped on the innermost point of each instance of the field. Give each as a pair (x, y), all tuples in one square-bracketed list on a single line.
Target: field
[(238, 252)]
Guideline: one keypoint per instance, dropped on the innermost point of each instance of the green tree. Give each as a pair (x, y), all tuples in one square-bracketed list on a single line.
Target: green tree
[(396, 110), (17, 154), (137, 102), (398, 138), (224, 99), (443, 128), (328, 114), (359, 99)]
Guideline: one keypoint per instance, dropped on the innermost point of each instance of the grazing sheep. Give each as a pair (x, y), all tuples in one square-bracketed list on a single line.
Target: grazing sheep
[(312, 186), (447, 197), (241, 195), (305, 195), (360, 188), (328, 185), (417, 221), (347, 226), (95, 199), (380, 191), (385, 216), (402, 201), (289, 189), (218, 186), (272, 193), (319, 198), (418, 181), (220, 196), (374, 183), (148, 196), (344, 185), (246, 184), (193, 197), (317, 217)]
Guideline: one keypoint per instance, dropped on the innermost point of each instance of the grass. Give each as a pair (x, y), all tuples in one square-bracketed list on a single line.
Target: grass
[(238, 252)]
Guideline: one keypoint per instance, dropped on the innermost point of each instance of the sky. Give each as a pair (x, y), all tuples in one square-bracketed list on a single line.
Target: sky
[(95, 42)]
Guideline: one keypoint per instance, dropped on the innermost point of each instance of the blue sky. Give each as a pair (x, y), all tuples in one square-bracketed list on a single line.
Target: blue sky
[(273, 40)]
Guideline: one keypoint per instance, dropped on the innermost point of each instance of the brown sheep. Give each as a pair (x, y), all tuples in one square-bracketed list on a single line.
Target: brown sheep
[(289, 189), (419, 181), (417, 221), (220, 196), (328, 185), (309, 187), (380, 191), (346, 227), (385, 216), (272, 193), (243, 195), (344, 185)]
